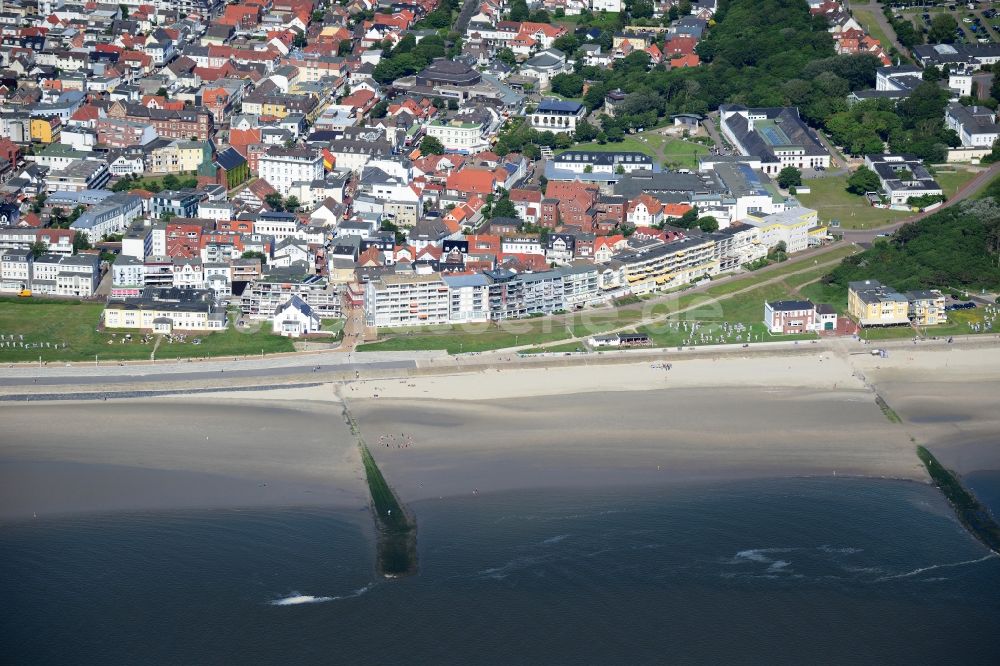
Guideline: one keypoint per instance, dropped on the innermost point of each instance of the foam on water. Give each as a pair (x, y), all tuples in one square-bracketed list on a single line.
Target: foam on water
[(778, 565), (948, 565), (296, 599), (555, 539), (759, 555), (840, 551)]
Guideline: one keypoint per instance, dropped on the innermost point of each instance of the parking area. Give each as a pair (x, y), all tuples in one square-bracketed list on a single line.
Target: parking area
[(977, 22)]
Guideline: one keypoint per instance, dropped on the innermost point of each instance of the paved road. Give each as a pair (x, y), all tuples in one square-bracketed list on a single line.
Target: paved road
[(713, 133), (465, 15), (876, 10), (83, 374)]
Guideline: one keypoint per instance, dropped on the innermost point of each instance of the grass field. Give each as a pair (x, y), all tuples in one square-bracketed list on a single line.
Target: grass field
[(334, 326), (472, 337), (555, 349), (76, 325), (950, 181), (734, 319), (868, 22), (830, 197), (603, 20)]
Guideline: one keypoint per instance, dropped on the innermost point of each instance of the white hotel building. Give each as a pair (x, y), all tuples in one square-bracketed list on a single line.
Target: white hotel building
[(282, 167)]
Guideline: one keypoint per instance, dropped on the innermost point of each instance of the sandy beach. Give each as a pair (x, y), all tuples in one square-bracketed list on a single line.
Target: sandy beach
[(703, 419), (189, 452), (948, 399), (756, 415)]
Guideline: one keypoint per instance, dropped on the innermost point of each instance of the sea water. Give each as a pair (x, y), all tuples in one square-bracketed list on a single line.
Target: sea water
[(783, 571)]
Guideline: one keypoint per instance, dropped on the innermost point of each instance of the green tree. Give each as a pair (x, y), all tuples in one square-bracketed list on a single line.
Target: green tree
[(506, 56), (708, 224), (688, 219), (568, 44), (863, 180), (789, 177), (81, 242), (58, 218), (38, 202), (504, 207), (380, 110), (254, 254), (684, 7), (642, 9), (567, 85), (931, 73), (274, 201), (518, 10), (292, 203), (431, 145), (38, 248), (942, 30), (585, 131)]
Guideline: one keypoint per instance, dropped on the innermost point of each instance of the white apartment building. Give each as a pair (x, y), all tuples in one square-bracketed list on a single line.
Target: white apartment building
[(407, 300), (976, 126), (468, 298), (78, 276), (278, 225), (790, 227), (220, 211), (188, 274), (521, 245), (16, 269), (459, 136), (281, 167), (557, 116), (128, 276)]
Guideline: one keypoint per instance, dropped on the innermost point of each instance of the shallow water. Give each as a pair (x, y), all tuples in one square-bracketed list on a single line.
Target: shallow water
[(787, 571)]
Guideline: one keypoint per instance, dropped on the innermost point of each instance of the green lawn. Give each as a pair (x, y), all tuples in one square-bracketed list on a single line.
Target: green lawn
[(603, 20), (821, 292), (868, 22), (830, 197), (950, 181), (471, 337), (733, 319), (332, 325), (76, 325), (568, 347), (790, 266), (231, 342)]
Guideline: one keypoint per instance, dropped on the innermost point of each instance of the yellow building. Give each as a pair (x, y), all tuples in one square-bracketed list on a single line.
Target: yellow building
[(163, 316), (926, 308), (667, 266), (871, 303), (274, 108), (179, 157), (45, 130)]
